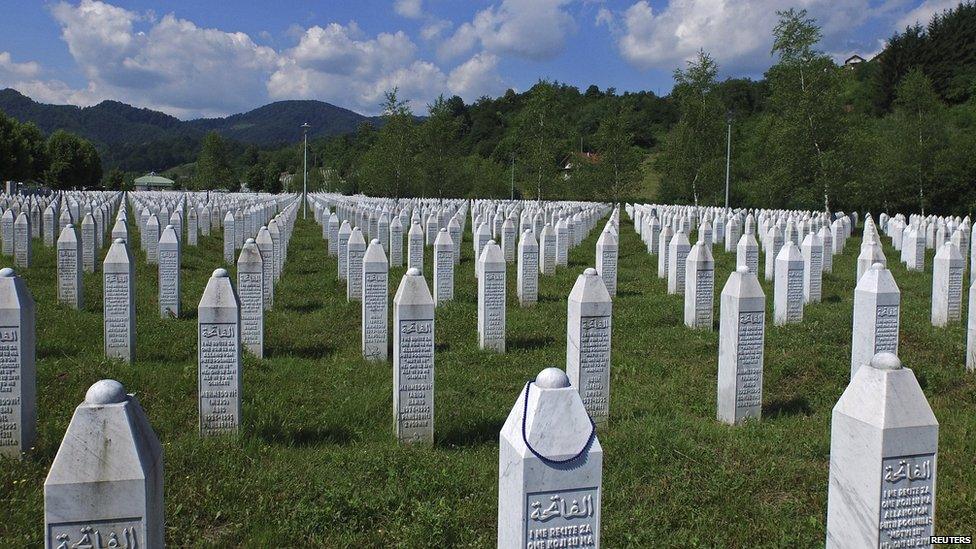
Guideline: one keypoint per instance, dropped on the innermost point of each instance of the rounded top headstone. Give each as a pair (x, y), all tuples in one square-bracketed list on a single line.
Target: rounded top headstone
[(552, 378), (219, 273), (119, 241), (590, 271), (443, 229), (249, 241), (6, 272), (877, 267), (413, 271), (742, 269), (886, 361), (69, 226), (106, 391), (377, 241), (492, 241), (169, 226)]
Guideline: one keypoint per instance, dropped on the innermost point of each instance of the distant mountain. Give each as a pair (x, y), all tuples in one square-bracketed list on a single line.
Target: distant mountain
[(130, 137)]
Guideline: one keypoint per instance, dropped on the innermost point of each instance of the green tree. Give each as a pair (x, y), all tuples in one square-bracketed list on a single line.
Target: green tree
[(388, 168), (114, 180), (693, 157), (437, 151), (73, 163), (213, 169), (915, 135), (539, 127), (805, 119), (615, 174)]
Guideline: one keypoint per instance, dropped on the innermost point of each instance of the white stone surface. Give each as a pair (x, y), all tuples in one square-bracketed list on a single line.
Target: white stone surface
[(550, 469), (219, 356), (947, 285), (877, 314), (527, 283), (788, 286), (742, 331), (813, 253), (18, 373), (345, 230), (250, 290), (415, 247), (23, 252), (376, 295), (443, 267), (606, 260), (884, 442), (169, 274), (588, 335), (118, 302), (699, 287), (105, 486), (266, 248), (491, 298), (678, 250), (355, 250), (413, 360), (71, 292)]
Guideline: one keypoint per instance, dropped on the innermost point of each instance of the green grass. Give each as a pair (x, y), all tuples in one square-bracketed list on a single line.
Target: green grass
[(317, 461)]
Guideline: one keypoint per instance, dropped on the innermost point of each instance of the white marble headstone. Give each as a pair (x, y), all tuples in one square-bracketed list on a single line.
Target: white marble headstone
[(18, 389), (413, 360), (884, 445), (219, 356), (588, 328), (105, 486), (742, 330), (118, 302)]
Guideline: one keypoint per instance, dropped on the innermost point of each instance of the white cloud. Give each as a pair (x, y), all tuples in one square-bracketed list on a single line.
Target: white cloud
[(338, 64), (172, 64), (532, 29), (738, 34), (10, 70), (476, 77), (924, 13), (411, 9), (434, 29)]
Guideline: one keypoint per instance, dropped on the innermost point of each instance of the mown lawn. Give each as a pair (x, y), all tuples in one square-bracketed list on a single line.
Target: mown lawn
[(317, 462)]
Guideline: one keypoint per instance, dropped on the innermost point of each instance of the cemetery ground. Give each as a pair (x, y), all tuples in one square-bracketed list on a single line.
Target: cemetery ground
[(317, 460)]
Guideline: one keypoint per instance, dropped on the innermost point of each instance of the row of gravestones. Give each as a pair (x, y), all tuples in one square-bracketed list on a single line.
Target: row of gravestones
[(119, 275), (413, 316), (905, 473), (550, 460), (217, 332)]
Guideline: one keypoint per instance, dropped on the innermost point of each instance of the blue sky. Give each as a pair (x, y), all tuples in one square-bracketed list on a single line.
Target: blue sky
[(192, 58)]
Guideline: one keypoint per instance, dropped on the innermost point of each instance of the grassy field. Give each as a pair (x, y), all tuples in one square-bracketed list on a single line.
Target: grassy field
[(317, 462)]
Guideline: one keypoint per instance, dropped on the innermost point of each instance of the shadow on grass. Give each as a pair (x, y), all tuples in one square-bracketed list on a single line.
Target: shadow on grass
[(529, 343), (312, 351), (783, 408), (482, 432), (628, 293), (304, 306), (438, 347), (549, 298), (304, 437)]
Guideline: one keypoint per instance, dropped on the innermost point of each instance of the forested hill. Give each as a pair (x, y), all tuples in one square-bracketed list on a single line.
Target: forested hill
[(140, 139)]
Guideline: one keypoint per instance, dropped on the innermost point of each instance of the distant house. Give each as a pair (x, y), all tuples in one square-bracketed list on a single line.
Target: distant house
[(153, 182), (573, 160), (853, 61)]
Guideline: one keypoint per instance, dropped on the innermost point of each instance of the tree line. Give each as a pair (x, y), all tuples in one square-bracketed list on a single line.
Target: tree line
[(60, 161), (896, 133)]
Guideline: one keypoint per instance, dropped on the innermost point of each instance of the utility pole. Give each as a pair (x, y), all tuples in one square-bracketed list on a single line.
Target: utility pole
[(728, 158), (305, 127), (513, 176)]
